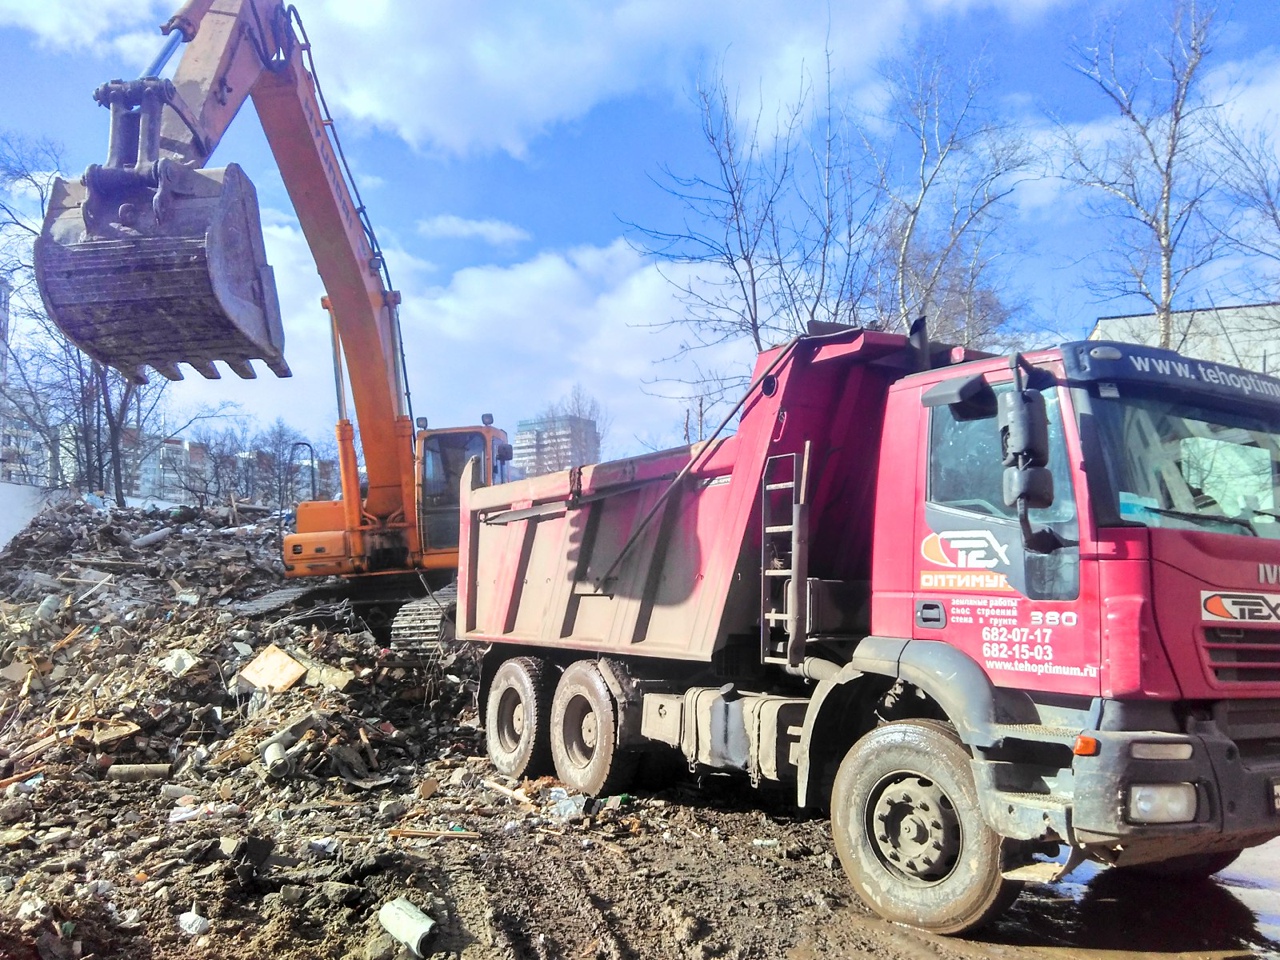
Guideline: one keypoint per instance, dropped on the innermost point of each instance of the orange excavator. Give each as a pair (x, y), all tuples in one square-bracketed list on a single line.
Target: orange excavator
[(152, 260)]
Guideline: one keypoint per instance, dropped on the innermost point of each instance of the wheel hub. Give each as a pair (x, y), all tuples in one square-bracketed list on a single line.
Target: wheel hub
[(511, 719), (914, 828)]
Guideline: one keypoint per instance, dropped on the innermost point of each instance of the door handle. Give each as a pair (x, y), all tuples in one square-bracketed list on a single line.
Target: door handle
[(930, 614)]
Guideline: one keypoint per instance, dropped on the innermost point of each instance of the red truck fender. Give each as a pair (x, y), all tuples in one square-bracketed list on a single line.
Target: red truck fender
[(953, 681)]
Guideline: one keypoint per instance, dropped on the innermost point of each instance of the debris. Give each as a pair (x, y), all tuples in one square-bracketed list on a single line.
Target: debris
[(571, 807), (273, 670), (392, 809), (20, 777), (513, 795), (130, 772), (151, 539), (193, 925), (48, 608), (407, 924), (204, 811), (179, 662), (434, 834), (277, 761)]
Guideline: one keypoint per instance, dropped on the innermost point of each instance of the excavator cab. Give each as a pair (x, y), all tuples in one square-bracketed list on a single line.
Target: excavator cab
[(146, 261)]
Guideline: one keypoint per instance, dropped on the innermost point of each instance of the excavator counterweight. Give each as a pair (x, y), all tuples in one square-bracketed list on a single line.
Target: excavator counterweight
[(149, 262)]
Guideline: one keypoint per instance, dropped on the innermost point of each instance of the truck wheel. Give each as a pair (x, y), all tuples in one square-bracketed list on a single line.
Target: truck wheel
[(517, 718), (584, 734), (1188, 867), (909, 830)]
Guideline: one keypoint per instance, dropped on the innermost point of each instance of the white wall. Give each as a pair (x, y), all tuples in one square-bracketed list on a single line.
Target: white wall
[(18, 504)]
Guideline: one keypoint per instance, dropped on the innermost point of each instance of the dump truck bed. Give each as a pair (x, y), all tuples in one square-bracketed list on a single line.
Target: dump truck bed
[(621, 557)]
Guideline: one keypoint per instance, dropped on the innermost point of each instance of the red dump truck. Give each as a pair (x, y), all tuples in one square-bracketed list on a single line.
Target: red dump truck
[(979, 608)]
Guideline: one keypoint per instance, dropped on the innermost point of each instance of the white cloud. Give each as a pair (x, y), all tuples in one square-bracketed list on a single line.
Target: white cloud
[(80, 24), (1250, 88), (447, 226), (468, 77), (512, 340), (506, 340)]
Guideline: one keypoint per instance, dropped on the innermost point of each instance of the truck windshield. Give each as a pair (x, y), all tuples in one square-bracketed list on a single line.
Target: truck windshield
[(1178, 463)]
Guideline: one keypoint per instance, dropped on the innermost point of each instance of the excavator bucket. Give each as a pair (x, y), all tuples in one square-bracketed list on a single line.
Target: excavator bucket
[(161, 270)]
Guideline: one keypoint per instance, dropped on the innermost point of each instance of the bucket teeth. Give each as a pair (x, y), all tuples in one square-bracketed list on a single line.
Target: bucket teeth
[(243, 369), (168, 370), (206, 369)]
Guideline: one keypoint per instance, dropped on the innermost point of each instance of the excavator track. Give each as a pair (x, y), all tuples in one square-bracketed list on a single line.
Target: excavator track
[(424, 629), (279, 599)]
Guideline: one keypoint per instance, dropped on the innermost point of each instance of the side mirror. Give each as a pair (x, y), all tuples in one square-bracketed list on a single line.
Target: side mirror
[(1024, 445), (1024, 428), (1032, 485), (505, 452)]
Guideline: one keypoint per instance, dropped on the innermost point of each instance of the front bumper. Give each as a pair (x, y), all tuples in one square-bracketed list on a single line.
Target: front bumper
[(1238, 804)]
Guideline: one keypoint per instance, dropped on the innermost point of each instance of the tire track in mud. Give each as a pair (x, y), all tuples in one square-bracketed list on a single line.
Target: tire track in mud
[(541, 905)]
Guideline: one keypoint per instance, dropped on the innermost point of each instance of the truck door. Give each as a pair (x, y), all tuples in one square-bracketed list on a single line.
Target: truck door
[(1026, 616)]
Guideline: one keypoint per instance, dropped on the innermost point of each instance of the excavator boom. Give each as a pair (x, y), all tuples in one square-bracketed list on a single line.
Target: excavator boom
[(150, 261)]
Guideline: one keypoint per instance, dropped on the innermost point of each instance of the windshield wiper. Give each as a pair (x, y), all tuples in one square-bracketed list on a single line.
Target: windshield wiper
[(1202, 517)]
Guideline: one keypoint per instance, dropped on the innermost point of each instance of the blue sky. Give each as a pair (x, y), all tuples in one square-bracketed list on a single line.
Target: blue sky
[(503, 146)]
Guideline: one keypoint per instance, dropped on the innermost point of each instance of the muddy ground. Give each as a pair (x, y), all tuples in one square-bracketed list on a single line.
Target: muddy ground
[(677, 873), (390, 795)]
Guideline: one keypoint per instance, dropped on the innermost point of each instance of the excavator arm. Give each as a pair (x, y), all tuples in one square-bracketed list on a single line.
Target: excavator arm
[(149, 260)]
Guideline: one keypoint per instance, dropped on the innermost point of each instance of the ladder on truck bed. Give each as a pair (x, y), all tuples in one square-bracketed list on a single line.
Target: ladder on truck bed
[(784, 559)]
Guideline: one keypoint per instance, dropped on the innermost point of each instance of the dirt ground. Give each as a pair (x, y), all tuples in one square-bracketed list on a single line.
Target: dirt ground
[(686, 872), (390, 795)]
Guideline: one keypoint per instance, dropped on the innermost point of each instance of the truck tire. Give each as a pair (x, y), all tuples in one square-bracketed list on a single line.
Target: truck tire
[(909, 830), (1188, 868), (517, 718), (584, 734)]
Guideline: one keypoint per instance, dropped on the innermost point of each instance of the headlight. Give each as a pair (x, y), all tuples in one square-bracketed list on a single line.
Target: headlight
[(1162, 803), (1160, 751)]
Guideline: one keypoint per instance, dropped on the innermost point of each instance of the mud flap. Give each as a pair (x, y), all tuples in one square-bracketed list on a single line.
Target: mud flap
[(138, 276)]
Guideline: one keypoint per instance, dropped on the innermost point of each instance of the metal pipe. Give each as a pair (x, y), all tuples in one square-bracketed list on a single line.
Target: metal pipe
[(166, 52), (149, 120), (814, 668), (407, 924), (122, 142), (338, 378)]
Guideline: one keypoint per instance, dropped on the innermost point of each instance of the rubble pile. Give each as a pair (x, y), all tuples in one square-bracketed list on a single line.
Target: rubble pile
[(185, 775), (157, 744)]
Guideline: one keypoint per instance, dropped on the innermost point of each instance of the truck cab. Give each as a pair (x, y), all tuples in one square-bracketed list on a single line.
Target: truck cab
[(1145, 620)]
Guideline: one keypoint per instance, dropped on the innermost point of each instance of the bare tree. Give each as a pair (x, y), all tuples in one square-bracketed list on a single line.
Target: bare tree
[(724, 248), (212, 473), (1150, 174), (1250, 163), (97, 425), (946, 167), (814, 220), (275, 449)]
